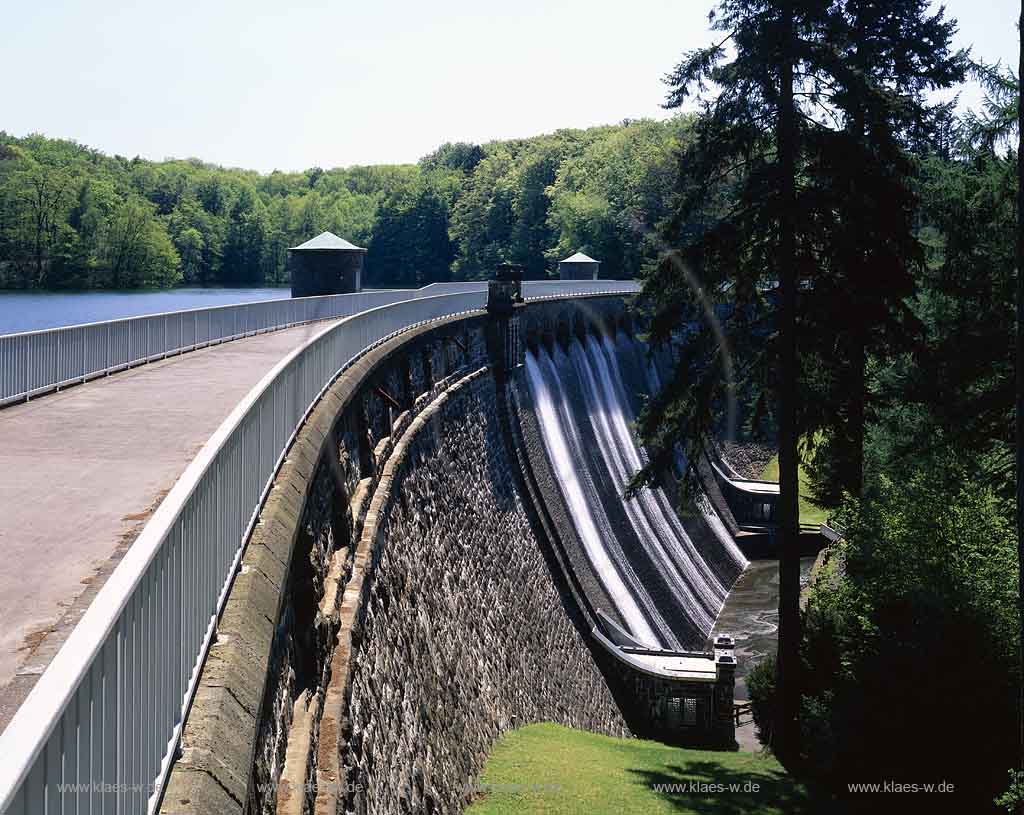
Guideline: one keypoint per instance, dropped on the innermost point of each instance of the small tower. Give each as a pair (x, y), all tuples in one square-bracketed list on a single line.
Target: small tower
[(504, 341), (578, 267), (325, 264)]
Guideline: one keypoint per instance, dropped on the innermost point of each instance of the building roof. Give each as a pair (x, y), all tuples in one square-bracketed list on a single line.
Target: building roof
[(328, 240), (579, 257)]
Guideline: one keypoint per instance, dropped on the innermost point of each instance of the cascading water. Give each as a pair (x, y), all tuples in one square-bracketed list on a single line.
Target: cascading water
[(563, 445), (666, 584)]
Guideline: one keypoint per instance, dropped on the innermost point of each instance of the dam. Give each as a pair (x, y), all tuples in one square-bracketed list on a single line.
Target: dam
[(442, 552)]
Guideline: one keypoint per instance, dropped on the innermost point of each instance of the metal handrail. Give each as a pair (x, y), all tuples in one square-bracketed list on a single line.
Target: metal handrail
[(36, 362), (101, 725)]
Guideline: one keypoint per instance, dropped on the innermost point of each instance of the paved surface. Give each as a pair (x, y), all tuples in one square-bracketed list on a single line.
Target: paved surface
[(81, 470)]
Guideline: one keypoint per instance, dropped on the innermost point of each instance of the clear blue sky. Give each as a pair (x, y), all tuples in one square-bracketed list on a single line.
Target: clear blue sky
[(290, 85)]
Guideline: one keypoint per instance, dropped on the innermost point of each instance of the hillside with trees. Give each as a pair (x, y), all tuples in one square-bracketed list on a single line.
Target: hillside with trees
[(74, 218)]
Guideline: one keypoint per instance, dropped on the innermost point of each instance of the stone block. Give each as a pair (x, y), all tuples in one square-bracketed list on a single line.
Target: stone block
[(218, 739), (254, 593), (304, 456), (194, 792), (283, 504), (260, 557), (242, 621), (318, 426), (276, 536), (230, 664)]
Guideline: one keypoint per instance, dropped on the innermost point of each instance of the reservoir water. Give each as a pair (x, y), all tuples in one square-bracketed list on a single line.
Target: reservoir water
[(33, 310)]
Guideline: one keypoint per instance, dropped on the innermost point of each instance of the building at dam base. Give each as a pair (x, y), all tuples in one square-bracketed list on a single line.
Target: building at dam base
[(415, 586)]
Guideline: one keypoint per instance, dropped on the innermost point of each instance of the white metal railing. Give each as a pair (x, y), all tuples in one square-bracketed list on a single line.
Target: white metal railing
[(537, 289), (35, 362), (98, 732)]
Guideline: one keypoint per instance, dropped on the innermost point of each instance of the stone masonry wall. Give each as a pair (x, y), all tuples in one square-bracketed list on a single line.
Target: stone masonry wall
[(394, 611), (463, 635)]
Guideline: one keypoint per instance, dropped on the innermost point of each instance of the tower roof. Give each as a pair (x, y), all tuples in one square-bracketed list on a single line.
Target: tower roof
[(327, 241), (579, 257)]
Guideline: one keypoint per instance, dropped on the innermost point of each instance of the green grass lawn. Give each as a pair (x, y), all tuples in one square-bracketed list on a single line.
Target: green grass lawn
[(547, 768), (810, 513)]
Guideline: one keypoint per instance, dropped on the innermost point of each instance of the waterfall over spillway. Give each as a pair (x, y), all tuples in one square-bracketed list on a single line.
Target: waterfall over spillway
[(666, 579)]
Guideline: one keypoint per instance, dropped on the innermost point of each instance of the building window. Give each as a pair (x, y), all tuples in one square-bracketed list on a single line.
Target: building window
[(681, 710), (689, 712), (672, 711)]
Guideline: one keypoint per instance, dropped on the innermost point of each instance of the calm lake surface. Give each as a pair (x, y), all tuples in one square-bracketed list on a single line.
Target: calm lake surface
[(31, 311)]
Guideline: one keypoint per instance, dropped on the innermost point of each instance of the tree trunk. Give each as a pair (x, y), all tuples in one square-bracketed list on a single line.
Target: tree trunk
[(787, 729), (1020, 394), (855, 414), (853, 464)]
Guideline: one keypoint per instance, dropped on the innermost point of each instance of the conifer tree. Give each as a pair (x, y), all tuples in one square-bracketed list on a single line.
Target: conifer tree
[(880, 60), (793, 245), (740, 235)]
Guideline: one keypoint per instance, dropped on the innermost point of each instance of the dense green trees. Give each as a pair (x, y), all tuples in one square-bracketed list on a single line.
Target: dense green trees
[(880, 59), (909, 643), (910, 648), (71, 217), (410, 244), (796, 211), (610, 197), (900, 224)]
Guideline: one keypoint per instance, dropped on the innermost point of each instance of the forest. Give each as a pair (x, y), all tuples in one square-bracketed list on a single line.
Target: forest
[(845, 250), (74, 218)]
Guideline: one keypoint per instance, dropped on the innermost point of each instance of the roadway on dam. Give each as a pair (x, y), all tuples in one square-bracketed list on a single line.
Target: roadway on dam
[(81, 471)]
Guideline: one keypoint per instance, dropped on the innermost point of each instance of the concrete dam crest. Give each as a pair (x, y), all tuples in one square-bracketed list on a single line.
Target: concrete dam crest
[(423, 577)]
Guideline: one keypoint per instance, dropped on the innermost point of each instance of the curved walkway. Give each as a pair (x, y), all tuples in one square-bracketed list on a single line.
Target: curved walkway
[(80, 472)]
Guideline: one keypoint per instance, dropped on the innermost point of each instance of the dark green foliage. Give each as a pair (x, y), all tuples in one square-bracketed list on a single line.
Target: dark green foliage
[(910, 649), (410, 244), (909, 644), (741, 237), (459, 212), (861, 75), (454, 156), (998, 120), (881, 59), (761, 686), (957, 389), (795, 208)]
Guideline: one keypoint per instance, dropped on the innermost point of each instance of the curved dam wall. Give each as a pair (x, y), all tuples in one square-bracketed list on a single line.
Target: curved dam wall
[(662, 576), (420, 579), (398, 605), (664, 579), (465, 634)]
